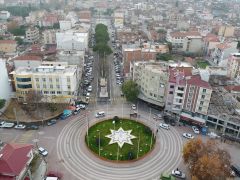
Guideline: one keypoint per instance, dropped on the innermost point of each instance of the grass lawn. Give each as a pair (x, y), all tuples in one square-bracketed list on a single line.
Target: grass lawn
[(111, 151), (202, 64)]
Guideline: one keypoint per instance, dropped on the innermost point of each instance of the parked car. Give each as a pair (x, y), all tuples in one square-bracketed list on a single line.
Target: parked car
[(89, 89), (32, 127), (134, 107), (164, 126), (42, 151), (5, 124), (81, 106), (188, 135), (100, 114), (20, 126), (51, 122), (58, 175), (213, 135), (195, 129), (179, 174), (76, 111), (236, 169)]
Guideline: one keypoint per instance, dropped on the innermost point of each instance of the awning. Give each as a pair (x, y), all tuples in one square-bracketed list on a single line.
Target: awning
[(146, 99), (192, 119)]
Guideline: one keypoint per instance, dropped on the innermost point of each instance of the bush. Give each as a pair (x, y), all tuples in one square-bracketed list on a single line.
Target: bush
[(2, 103), (116, 119), (147, 130)]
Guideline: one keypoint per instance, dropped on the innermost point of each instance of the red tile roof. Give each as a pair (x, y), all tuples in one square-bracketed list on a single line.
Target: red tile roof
[(223, 46), (185, 34), (29, 58), (197, 81), (182, 71), (8, 42), (233, 88), (211, 38), (14, 158)]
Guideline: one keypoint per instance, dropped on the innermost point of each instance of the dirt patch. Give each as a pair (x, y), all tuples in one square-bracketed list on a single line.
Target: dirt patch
[(31, 112)]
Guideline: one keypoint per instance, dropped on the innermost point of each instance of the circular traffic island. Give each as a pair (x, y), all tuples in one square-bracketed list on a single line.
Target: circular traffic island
[(120, 139)]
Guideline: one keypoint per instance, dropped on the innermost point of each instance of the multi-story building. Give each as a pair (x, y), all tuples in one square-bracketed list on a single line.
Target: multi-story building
[(188, 42), (233, 66), (222, 52), (55, 81), (49, 37), (32, 34), (188, 95), (8, 46), (118, 19), (73, 39), (226, 31), (152, 78)]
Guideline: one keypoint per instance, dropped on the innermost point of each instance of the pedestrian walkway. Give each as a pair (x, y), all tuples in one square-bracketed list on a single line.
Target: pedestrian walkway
[(25, 137)]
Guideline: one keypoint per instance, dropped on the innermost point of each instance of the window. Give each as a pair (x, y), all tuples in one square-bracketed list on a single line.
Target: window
[(201, 102), (151, 94), (203, 96), (50, 79), (58, 87), (37, 79), (171, 86), (23, 79), (69, 87), (44, 86), (200, 108), (154, 95), (69, 93), (170, 92), (51, 86), (204, 90), (181, 88), (44, 79), (180, 94), (38, 86), (45, 92), (59, 92), (52, 92), (24, 86), (68, 79)]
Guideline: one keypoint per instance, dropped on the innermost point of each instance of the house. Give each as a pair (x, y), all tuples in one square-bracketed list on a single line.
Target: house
[(15, 160)]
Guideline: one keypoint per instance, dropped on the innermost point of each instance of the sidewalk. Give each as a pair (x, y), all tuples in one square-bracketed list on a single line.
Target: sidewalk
[(41, 171)]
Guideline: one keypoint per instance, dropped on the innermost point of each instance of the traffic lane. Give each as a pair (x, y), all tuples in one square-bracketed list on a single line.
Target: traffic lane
[(10, 135)]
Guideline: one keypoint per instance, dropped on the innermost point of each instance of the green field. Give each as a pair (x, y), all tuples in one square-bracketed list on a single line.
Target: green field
[(127, 152)]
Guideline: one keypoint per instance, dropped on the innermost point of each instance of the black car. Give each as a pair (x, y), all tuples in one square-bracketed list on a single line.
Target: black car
[(32, 127), (236, 169)]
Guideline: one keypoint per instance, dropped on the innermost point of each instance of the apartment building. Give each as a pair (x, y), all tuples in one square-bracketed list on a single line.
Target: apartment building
[(188, 95), (55, 81), (8, 46), (32, 35), (73, 39), (233, 66), (187, 42), (118, 19), (49, 36), (152, 79)]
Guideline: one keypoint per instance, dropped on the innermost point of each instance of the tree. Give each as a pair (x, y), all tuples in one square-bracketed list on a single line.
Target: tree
[(164, 56), (19, 40), (130, 90), (206, 160), (2, 103), (56, 26), (18, 31)]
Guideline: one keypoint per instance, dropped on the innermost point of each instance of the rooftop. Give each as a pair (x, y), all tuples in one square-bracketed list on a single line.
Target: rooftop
[(8, 42), (28, 58)]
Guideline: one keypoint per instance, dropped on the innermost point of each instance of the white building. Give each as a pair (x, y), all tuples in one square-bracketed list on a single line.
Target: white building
[(233, 66), (4, 15), (5, 85), (65, 25), (74, 39), (151, 78), (32, 34), (56, 81), (49, 37)]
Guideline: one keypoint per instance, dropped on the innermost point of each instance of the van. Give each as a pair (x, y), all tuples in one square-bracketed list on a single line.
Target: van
[(100, 114)]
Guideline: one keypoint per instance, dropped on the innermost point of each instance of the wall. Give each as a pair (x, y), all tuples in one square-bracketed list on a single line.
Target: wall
[(5, 86)]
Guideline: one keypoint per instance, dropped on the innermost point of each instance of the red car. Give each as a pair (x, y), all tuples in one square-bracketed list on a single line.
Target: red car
[(54, 174)]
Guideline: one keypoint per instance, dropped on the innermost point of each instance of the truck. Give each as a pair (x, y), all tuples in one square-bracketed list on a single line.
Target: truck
[(4, 124)]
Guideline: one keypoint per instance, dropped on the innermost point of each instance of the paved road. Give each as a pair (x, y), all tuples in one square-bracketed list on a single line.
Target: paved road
[(84, 165)]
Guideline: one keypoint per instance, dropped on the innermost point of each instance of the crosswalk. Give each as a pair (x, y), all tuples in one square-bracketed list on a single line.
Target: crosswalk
[(25, 137), (93, 100)]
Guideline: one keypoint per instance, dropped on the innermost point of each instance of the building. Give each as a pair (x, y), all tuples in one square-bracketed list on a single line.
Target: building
[(188, 95), (129, 36), (54, 81), (4, 15), (29, 61), (118, 19), (222, 51), (8, 46), (226, 31), (49, 37), (4, 81), (233, 66), (85, 16), (65, 25), (209, 43), (73, 39), (152, 78), (15, 160), (187, 42), (32, 35), (48, 20)]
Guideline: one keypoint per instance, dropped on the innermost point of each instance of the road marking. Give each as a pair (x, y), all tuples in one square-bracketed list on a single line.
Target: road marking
[(49, 137), (25, 137)]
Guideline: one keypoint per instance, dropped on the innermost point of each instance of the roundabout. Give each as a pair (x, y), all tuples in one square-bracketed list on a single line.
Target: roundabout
[(120, 139), (76, 157)]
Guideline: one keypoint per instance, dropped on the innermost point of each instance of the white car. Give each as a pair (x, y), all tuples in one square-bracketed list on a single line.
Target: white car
[(20, 126), (82, 106), (42, 151), (100, 114), (164, 126), (179, 174), (188, 135), (89, 89), (195, 129), (134, 107), (213, 135)]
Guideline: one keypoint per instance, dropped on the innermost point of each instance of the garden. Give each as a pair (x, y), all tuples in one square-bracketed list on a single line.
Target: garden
[(120, 139)]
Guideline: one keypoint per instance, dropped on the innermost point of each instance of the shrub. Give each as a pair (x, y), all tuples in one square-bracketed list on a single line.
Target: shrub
[(2, 103)]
